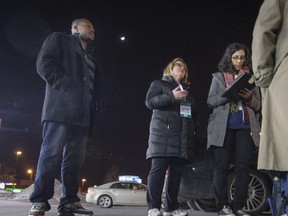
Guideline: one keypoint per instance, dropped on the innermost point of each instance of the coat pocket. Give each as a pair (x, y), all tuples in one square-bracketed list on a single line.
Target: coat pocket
[(211, 121)]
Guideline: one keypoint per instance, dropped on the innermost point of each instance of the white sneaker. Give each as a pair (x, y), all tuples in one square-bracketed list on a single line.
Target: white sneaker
[(241, 213), (226, 211), (38, 209), (154, 212), (177, 212)]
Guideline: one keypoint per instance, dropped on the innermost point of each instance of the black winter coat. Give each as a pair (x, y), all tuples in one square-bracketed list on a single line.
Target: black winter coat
[(170, 134), (61, 64)]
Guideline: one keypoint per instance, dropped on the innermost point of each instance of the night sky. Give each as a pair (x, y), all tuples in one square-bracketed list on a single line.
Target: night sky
[(156, 32)]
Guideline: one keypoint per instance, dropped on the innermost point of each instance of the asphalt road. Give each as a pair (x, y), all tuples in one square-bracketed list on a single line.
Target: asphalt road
[(20, 208)]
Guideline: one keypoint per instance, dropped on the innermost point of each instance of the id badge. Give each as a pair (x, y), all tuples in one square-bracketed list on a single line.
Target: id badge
[(185, 109)]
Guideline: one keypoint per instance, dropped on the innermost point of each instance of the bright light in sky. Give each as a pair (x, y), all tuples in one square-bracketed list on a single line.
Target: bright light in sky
[(122, 38)]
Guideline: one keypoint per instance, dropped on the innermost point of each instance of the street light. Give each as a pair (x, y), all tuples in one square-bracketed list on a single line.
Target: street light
[(83, 182), (30, 172), (18, 153)]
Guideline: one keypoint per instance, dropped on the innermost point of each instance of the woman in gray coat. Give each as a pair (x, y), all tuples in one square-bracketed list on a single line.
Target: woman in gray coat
[(172, 129), (232, 128)]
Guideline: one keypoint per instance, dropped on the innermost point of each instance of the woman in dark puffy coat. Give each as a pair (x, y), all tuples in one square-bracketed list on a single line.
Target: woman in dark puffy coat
[(172, 128)]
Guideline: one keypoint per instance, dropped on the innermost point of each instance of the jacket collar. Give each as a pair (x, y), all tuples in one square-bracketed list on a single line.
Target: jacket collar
[(219, 76), (75, 42), (172, 80), (168, 78)]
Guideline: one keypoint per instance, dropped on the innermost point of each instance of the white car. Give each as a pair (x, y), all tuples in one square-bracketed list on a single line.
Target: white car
[(117, 193)]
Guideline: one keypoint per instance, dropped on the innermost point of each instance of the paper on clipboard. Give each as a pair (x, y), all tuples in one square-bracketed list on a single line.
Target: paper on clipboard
[(241, 82)]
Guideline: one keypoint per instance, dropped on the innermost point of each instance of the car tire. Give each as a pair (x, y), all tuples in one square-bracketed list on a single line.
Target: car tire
[(184, 205), (192, 205), (259, 190), (206, 205), (105, 201)]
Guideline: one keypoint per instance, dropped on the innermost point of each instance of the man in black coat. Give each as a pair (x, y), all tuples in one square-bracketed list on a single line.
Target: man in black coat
[(72, 77)]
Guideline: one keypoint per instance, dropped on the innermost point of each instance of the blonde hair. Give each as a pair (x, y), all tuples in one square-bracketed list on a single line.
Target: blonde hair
[(168, 70)]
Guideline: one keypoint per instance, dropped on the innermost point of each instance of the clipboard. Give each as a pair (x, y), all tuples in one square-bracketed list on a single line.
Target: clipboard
[(241, 82)]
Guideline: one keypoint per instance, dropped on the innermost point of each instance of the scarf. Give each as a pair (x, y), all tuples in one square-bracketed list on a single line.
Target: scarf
[(229, 78)]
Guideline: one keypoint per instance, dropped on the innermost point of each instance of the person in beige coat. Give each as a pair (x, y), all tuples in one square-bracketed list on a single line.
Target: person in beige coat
[(270, 65)]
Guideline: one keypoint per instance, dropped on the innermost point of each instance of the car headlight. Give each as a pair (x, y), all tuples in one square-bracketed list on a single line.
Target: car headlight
[(91, 190)]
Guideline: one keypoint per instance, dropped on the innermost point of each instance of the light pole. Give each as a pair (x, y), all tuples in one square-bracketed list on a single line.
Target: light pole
[(18, 153), (30, 172), (83, 182)]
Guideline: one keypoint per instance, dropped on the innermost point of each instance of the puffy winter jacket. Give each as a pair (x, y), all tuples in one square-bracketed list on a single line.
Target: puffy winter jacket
[(170, 134)]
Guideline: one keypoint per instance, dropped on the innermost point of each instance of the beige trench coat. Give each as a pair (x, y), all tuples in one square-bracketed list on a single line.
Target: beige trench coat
[(270, 65)]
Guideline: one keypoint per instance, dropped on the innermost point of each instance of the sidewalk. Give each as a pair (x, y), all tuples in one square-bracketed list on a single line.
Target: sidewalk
[(17, 204), (21, 208)]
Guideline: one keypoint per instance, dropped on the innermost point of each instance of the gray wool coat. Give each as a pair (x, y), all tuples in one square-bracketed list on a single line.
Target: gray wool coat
[(218, 119)]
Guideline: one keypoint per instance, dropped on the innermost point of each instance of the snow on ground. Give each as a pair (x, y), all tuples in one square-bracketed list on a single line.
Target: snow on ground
[(24, 194)]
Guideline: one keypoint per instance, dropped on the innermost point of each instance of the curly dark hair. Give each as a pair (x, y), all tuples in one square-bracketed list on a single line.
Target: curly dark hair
[(225, 63)]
